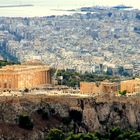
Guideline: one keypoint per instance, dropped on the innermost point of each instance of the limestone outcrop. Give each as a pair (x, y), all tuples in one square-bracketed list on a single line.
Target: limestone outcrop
[(99, 114)]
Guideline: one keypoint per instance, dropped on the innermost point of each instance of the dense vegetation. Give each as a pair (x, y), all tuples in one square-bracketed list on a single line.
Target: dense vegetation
[(73, 79), (112, 134), (24, 121), (4, 63)]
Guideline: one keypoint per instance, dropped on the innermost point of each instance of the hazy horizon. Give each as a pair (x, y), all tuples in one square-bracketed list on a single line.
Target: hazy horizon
[(44, 7)]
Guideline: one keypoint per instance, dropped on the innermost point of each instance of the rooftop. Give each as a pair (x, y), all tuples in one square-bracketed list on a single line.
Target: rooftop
[(23, 67)]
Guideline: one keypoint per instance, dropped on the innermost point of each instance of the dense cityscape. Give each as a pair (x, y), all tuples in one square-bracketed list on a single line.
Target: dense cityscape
[(71, 77), (103, 39)]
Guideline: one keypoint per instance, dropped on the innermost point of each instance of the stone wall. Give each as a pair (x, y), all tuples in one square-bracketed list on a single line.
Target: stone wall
[(130, 85), (100, 87)]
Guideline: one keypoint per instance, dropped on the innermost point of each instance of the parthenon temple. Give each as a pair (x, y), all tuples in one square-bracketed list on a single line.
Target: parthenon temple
[(27, 75)]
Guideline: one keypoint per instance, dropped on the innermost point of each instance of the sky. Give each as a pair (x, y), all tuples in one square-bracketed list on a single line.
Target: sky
[(75, 3), (44, 7)]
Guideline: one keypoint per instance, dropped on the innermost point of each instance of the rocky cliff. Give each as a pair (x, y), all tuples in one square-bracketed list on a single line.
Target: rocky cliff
[(99, 114)]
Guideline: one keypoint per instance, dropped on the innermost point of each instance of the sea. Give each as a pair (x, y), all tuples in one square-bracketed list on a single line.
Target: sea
[(39, 8)]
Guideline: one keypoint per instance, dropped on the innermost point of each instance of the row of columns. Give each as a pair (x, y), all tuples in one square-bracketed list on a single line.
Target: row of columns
[(8, 81), (28, 80)]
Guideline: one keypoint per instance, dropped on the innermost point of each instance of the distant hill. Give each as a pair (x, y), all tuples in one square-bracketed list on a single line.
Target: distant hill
[(122, 7), (93, 9)]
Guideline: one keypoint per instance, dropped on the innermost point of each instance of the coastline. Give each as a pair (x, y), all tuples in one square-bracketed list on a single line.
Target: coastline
[(10, 6)]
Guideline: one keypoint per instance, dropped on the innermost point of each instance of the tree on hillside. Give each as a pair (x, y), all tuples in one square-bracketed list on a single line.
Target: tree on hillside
[(82, 136), (55, 134), (24, 121)]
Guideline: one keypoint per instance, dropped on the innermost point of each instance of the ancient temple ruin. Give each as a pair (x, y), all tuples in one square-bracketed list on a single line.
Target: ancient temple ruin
[(27, 75)]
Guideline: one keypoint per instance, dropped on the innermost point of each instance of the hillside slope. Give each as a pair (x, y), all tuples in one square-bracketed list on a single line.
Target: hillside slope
[(100, 113)]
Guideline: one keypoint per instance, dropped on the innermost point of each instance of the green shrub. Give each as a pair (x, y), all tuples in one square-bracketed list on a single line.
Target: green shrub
[(45, 115), (123, 93), (55, 134), (66, 120), (82, 136), (115, 132), (25, 122)]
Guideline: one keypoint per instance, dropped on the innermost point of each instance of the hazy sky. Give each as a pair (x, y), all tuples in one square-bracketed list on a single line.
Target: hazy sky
[(44, 7), (75, 3)]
